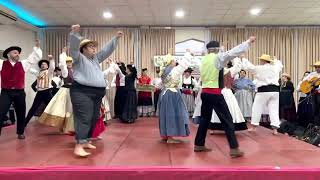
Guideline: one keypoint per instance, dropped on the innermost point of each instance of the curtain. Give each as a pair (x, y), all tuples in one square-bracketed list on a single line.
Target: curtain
[(155, 42)]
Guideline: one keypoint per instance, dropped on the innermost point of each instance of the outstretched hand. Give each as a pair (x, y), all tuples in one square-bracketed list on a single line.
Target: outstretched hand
[(252, 39), (50, 57), (75, 28), (37, 43), (119, 33)]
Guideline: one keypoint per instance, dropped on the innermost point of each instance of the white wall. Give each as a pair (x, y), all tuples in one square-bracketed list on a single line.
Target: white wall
[(184, 34), (11, 35)]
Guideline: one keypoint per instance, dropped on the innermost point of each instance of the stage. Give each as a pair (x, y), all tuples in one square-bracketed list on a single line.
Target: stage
[(134, 151)]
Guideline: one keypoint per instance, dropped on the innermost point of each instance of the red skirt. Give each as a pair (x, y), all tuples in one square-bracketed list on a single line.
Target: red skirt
[(100, 127)]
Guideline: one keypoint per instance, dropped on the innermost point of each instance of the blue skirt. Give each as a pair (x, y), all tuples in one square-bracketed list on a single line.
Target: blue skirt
[(173, 115)]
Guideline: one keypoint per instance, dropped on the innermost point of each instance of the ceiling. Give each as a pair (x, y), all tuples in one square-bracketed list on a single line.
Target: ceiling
[(162, 12)]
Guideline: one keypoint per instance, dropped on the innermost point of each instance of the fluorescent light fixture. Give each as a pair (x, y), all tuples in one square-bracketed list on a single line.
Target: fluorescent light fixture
[(180, 13), (22, 13), (107, 15), (255, 11), (167, 27)]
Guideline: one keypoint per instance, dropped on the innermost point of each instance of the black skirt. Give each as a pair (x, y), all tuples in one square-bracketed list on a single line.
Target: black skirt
[(129, 112)]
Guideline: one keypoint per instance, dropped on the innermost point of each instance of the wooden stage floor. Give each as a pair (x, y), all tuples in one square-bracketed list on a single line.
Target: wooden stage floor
[(139, 144)]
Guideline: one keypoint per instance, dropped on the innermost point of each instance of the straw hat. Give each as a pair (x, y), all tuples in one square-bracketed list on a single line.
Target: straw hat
[(316, 64), (87, 41), (266, 57), (69, 59)]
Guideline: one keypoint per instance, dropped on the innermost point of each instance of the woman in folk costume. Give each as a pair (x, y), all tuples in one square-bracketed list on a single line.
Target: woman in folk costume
[(266, 80), (244, 89), (173, 113), (145, 107), (44, 86), (237, 117), (129, 111), (118, 81), (304, 113), (287, 106), (189, 85), (157, 83), (58, 113)]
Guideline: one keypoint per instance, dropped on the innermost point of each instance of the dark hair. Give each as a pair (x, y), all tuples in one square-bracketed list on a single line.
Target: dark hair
[(243, 71), (133, 70), (229, 65), (122, 67), (307, 72)]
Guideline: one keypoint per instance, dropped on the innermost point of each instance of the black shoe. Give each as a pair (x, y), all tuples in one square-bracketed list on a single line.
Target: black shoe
[(201, 149), (21, 136)]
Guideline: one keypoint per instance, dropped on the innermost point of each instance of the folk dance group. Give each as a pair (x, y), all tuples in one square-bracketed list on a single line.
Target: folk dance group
[(79, 102)]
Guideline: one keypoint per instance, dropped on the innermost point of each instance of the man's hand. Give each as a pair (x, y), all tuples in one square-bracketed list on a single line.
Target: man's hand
[(50, 57), (119, 33), (252, 39), (75, 28), (37, 43)]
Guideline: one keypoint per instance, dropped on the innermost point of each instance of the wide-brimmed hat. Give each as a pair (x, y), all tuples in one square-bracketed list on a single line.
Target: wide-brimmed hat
[(84, 42), (316, 64), (266, 57), (69, 59), (6, 52), (43, 61)]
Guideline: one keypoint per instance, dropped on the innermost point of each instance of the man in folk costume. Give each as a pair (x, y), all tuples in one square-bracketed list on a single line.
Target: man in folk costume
[(12, 72), (211, 71), (145, 107), (44, 85), (267, 82), (88, 87), (314, 77)]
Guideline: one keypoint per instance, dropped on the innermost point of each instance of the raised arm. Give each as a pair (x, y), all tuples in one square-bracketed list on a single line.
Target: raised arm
[(234, 52), (63, 65), (236, 68), (33, 58), (108, 49), (248, 66), (52, 64), (75, 39)]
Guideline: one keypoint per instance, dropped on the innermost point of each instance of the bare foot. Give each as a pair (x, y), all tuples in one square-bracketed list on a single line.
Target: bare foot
[(252, 129), (89, 146), (275, 132), (80, 152)]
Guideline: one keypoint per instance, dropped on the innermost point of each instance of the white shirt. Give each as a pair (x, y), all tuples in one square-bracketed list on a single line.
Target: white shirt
[(157, 83), (58, 81), (33, 58), (267, 74), (113, 69), (122, 78)]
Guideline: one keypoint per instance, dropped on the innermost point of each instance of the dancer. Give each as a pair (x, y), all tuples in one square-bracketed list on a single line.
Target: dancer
[(88, 87), (234, 109), (57, 81), (211, 96), (12, 72), (44, 85), (118, 81), (129, 111), (266, 80), (244, 89), (145, 107), (173, 113), (189, 86), (157, 83)]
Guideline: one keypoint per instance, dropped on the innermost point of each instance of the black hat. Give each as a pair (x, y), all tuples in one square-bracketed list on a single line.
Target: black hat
[(189, 70), (144, 69), (43, 61), (213, 44), (5, 52), (57, 69)]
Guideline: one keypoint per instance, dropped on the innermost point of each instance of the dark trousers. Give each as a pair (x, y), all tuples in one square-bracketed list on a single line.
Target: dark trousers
[(156, 98), (119, 101), (218, 103), (316, 108), (86, 102), (41, 97), (18, 98)]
